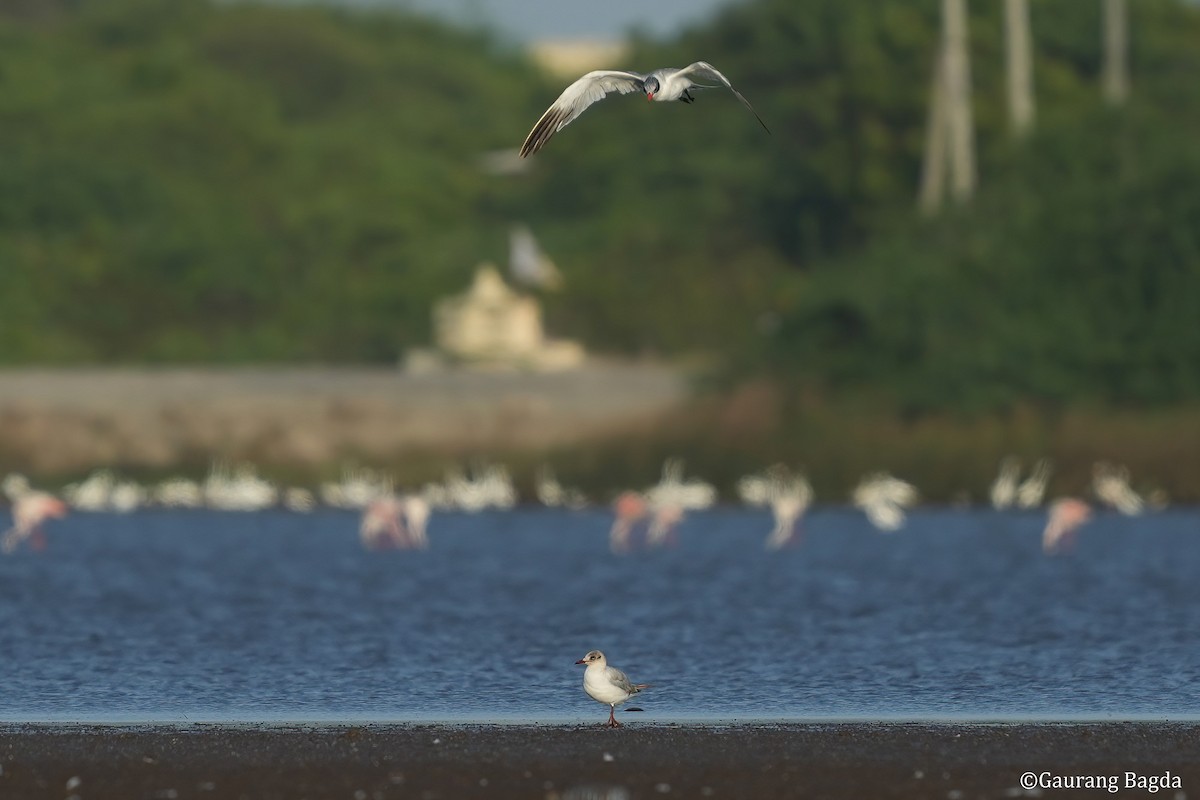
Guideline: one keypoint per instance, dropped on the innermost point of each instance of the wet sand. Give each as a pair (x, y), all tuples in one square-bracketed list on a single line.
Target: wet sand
[(862, 760)]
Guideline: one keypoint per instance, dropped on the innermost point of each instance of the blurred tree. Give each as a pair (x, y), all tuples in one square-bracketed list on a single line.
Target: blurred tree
[(1019, 65), (950, 142), (35, 10), (234, 182), (1116, 49), (1075, 294), (241, 182)]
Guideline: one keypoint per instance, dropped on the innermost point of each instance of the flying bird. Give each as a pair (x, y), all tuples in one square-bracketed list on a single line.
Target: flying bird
[(661, 85), (607, 684)]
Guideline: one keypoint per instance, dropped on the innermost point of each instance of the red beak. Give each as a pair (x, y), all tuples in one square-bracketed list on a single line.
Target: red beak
[(649, 96), (581, 661)]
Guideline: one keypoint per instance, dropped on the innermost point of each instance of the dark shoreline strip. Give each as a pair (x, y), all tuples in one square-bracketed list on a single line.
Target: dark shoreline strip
[(545, 761)]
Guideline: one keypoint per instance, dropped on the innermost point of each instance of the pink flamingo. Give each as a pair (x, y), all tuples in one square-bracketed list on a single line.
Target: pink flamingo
[(30, 510), (665, 520), (1067, 514), (630, 508), (394, 522), (658, 521)]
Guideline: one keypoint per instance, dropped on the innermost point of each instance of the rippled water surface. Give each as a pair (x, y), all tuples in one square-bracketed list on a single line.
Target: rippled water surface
[(226, 616)]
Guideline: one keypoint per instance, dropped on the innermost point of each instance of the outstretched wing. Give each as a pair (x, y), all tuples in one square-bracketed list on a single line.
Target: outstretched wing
[(702, 69), (575, 99)]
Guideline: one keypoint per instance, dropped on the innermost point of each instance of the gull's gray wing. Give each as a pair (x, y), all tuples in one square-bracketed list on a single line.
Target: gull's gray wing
[(575, 99), (621, 680), (702, 69)]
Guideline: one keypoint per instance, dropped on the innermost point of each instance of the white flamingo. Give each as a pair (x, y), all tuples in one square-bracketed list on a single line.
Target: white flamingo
[(178, 493), (552, 494), (356, 489), (238, 489), (673, 489), (1111, 486), (299, 500), (788, 496), (1031, 490), (93, 493), (883, 499), (671, 498), (1004, 487), (416, 518), (488, 486), (789, 501)]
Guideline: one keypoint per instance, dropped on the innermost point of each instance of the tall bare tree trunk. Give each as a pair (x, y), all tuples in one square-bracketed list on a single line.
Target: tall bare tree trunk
[(1018, 38), (1116, 51), (958, 95), (950, 141), (933, 170)]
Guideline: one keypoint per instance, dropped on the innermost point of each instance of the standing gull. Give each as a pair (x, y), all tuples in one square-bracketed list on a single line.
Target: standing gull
[(662, 85), (607, 684)]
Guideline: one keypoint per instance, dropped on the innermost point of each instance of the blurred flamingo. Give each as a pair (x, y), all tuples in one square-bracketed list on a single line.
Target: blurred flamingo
[(1004, 488), (1111, 486), (488, 486), (789, 500), (393, 522), (1067, 514), (1033, 489), (553, 494), (30, 510), (788, 495), (416, 517), (671, 498), (883, 499), (664, 519), (630, 508)]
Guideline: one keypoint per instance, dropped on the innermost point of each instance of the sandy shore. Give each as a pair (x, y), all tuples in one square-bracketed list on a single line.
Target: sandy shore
[(867, 760)]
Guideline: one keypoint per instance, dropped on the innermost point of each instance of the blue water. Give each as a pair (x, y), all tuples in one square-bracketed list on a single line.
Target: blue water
[(173, 615)]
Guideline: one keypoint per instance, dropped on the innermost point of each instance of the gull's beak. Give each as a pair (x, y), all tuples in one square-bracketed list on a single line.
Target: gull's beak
[(649, 96), (581, 661)]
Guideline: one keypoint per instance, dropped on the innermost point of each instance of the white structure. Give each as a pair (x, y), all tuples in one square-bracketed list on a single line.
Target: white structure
[(490, 325), (572, 57)]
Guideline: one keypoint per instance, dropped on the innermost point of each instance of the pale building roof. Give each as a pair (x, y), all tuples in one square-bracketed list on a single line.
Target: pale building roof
[(570, 58)]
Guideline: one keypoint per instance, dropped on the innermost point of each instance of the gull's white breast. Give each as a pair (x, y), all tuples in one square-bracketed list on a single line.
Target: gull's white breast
[(601, 687)]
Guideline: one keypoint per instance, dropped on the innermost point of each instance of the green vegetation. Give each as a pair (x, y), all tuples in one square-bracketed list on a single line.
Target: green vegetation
[(189, 182), (184, 181), (1085, 292)]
